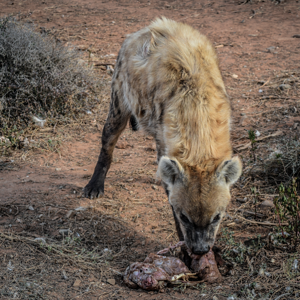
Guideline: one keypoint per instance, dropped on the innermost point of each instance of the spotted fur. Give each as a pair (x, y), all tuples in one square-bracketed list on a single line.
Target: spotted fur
[(167, 81)]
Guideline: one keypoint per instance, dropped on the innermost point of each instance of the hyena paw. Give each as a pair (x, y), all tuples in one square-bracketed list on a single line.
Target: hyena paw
[(93, 191)]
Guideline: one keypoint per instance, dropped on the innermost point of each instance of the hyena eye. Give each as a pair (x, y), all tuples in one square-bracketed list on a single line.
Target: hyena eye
[(184, 218), (216, 218)]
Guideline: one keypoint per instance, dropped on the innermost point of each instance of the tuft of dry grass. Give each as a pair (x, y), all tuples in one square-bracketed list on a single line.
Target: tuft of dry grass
[(40, 77)]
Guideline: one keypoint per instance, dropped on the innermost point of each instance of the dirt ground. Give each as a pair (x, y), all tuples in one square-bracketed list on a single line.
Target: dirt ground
[(55, 244)]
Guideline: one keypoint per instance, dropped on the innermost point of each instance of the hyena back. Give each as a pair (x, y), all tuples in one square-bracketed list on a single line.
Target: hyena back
[(167, 81)]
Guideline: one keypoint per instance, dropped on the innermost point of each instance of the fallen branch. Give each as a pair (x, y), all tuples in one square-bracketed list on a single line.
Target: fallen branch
[(245, 146), (260, 223), (97, 64)]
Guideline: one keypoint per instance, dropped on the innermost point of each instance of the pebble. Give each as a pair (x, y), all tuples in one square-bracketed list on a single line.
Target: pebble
[(70, 214), (77, 283), (80, 208), (39, 122), (58, 169), (111, 281), (295, 264), (30, 207), (267, 203), (243, 121), (271, 49), (41, 240), (64, 275), (10, 267), (122, 145), (261, 272), (65, 231), (284, 86)]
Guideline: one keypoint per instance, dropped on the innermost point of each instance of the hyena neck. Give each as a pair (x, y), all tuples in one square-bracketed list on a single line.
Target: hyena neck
[(198, 134)]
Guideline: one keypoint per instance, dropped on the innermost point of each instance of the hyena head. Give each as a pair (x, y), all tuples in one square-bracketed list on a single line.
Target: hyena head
[(198, 198)]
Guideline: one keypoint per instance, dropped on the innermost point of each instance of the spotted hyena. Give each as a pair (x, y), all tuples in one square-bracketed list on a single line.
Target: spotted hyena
[(167, 82)]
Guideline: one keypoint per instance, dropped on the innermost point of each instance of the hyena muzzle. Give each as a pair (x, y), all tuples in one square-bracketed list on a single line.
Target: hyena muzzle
[(167, 82)]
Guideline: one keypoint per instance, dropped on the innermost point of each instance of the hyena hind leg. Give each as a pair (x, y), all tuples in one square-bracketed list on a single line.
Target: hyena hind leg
[(116, 122)]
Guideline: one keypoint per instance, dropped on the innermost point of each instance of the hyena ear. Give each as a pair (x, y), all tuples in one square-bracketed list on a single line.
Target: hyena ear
[(230, 170), (169, 170)]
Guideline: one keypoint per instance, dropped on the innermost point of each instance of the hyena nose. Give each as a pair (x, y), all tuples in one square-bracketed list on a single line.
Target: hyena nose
[(200, 250)]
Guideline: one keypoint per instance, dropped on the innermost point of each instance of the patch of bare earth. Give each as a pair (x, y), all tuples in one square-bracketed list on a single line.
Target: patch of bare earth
[(57, 245)]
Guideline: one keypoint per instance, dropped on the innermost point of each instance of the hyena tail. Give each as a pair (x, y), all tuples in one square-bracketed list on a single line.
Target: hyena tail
[(134, 123)]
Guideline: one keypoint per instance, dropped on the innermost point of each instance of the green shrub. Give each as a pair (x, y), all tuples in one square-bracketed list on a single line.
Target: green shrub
[(287, 208)]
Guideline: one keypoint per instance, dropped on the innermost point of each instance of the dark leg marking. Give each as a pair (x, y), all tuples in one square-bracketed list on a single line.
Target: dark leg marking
[(115, 124), (134, 123), (184, 256)]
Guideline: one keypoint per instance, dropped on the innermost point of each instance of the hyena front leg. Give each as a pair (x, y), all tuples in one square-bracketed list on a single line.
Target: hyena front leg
[(114, 125), (184, 256)]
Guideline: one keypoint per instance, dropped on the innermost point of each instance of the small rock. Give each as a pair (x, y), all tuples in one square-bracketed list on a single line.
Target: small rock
[(65, 231), (77, 283), (109, 70), (122, 144), (88, 112), (10, 267), (257, 133), (154, 187), (4, 140), (107, 251), (111, 281), (296, 36), (284, 86), (39, 122), (71, 213), (260, 90), (261, 272), (243, 121), (58, 169), (234, 76), (64, 275), (267, 203), (153, 147), (80, 208), (272, 260), (30, 207), (41, 240), (271, 49), (215, 298), (295, 264)]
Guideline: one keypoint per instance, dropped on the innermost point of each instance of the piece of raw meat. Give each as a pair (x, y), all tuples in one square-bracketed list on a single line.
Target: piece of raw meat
[(146, 276), (172, 265), (206, 267), (156, 270)]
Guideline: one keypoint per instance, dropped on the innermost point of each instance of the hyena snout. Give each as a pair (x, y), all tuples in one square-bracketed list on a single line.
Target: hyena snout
[(199, 242), (200, 249)]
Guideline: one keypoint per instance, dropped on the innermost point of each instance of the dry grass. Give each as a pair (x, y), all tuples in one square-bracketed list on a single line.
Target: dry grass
[(41, 77)]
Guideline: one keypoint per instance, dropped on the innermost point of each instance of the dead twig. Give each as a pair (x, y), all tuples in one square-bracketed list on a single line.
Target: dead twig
[(260, 223), (245, 146)]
